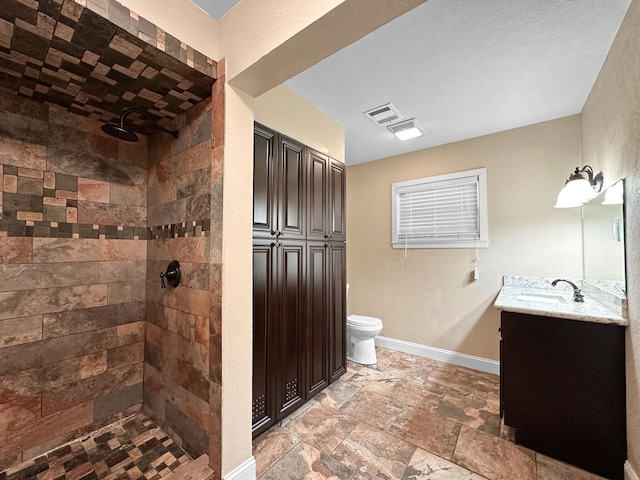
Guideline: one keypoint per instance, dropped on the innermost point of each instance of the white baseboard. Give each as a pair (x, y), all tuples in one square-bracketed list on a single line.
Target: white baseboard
[(455, 358), (245, 471), (629, 473)]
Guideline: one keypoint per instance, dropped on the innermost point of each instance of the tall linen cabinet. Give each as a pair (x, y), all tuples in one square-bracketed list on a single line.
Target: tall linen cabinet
[(299, 275)]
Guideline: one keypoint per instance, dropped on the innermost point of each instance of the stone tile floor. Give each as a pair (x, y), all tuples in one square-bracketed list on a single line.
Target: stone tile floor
[(408, 418), (134, 448)]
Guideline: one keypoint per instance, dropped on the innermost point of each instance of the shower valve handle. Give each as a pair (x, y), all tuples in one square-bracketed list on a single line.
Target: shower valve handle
[(172, 275)]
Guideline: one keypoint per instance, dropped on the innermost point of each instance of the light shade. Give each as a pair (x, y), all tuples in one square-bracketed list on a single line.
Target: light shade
[(614, 195), (567, 200), (407, 129), (578, 190)]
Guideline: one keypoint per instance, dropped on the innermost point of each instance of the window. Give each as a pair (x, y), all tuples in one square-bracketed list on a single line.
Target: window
[(445, 211)]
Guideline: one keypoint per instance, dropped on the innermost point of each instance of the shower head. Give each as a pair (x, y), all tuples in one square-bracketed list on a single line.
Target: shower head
[(119, 132), (123, 133)]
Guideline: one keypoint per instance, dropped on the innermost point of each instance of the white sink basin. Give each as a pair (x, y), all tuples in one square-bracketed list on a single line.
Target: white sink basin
[(541, 298)]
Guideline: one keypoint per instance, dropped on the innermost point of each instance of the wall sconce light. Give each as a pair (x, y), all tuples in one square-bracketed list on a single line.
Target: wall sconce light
[(578, 190)]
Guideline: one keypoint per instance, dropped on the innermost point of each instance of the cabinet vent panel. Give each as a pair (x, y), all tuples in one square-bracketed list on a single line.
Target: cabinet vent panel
[(258, 408)]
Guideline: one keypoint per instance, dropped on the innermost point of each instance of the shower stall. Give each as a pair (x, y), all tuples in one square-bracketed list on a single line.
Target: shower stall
[(88, 336)]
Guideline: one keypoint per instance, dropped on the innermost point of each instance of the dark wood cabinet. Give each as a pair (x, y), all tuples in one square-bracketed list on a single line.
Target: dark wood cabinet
[(299, 284), (279, 330), (264, 407), (326, 326), (337, 301), (289, 324), (278, 186), (325, 213), (563, 389)]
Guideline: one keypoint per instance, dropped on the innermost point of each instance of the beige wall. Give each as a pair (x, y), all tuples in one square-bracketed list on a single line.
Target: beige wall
[(237, 281), (287, 113), (429, 298), (611, 143)]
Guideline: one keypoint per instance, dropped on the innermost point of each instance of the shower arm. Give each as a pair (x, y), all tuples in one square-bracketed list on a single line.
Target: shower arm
[(175, 133)]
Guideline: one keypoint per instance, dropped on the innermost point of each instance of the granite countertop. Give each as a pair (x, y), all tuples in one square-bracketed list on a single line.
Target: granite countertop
[(536, 296)]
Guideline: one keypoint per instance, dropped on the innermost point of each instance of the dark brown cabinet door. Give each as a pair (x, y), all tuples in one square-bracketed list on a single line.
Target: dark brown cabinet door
[(290, 327), (317, 342), (265, 164), (264, 309), (326, 198), (291, 186), (337, 310), (318, 166), (563, 389), (279, 196), (336, 202)]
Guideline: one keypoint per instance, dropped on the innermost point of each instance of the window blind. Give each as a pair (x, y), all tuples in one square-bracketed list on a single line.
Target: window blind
[(439, 212)]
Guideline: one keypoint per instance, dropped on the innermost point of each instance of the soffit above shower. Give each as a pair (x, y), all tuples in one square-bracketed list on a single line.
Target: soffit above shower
[(96, 58)]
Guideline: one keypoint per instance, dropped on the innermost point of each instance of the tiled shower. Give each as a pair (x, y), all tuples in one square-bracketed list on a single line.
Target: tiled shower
[(87, 334)]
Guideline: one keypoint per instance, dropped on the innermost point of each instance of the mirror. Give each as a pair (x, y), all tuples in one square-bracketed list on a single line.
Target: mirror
[(603, 242)]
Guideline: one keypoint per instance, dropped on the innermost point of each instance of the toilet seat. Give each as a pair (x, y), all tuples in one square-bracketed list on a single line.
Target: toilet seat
[(363, 321)]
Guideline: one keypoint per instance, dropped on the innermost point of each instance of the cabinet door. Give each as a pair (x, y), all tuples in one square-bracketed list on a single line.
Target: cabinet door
[(317, 344), (338, 311), (336, 201), (564, 389), (318, 179), (290, 323), (265, 164), (264, 308), (291, 189), (326, 198)]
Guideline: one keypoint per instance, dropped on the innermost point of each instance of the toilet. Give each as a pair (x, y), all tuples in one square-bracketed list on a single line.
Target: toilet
[(361, 331)]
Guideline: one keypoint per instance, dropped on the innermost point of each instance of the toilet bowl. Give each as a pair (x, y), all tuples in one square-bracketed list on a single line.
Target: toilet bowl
[(361, 331)]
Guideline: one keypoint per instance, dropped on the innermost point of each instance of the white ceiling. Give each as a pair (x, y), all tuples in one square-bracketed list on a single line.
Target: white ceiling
[(463, 68)]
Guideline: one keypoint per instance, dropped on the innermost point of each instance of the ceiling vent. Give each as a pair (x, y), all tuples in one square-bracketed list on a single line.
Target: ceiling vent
[(383, 115)]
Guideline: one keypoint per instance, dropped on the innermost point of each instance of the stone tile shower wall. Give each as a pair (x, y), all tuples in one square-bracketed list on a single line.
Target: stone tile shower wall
[(73, 254), (176, 374)]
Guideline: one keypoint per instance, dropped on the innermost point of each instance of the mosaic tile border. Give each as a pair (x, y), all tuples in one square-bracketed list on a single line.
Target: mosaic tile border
[(195, 228)]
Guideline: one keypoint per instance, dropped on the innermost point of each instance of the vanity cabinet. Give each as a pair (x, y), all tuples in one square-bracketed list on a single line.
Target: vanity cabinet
[(563, 389), (299, 283)]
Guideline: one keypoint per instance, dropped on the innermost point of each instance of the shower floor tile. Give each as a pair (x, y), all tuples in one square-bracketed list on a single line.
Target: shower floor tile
[(134, 448)]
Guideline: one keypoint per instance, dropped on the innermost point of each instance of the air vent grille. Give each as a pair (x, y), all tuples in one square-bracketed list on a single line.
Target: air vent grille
[(383, 115)]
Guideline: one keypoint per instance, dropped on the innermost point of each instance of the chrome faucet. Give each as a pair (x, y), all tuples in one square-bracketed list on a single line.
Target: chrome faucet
[(577, 294)]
